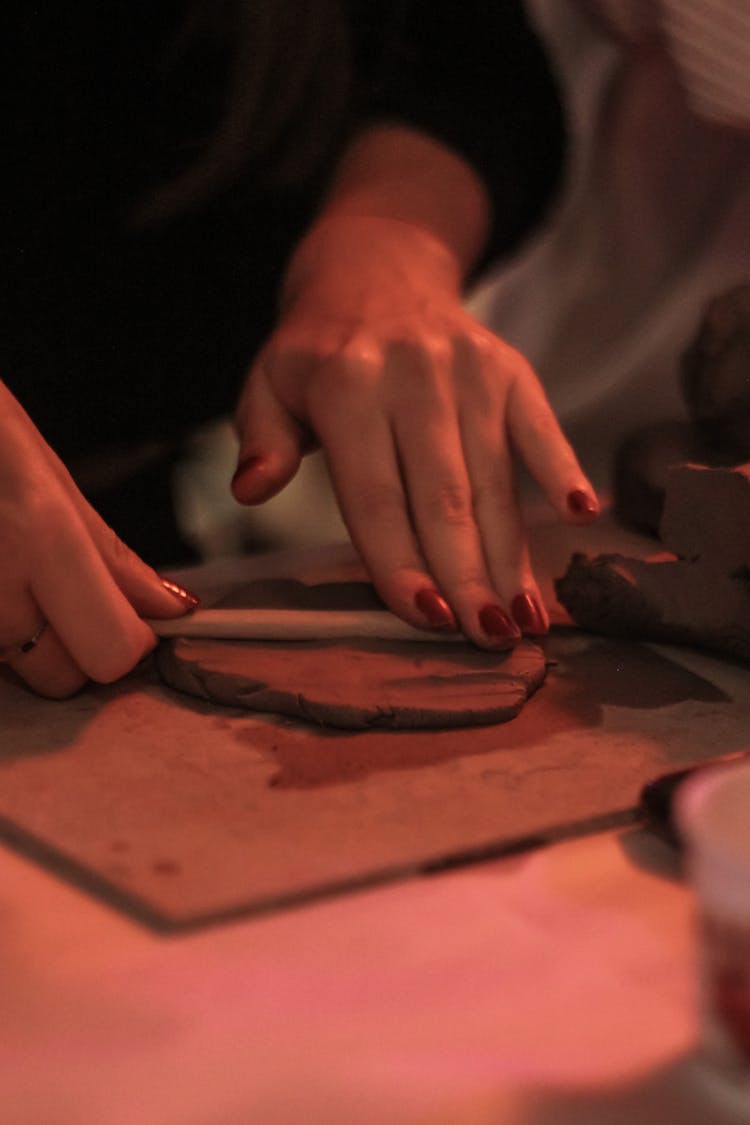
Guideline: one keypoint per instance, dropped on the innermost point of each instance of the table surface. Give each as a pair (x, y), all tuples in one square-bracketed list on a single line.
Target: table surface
[(554, 988), (557, 987)]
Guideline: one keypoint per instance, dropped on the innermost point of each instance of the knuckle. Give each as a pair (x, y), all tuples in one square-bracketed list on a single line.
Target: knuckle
[(438, 347), (420, 348), (469, 586), (542, 429), (359, 353), (120, 659), (451, 504), (348, 374), (495, 496), (515, 363), (44, 517), (380, 503), (480, 344)]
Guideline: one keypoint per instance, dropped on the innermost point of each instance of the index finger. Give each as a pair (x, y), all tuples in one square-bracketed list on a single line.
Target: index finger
[(80, 599)]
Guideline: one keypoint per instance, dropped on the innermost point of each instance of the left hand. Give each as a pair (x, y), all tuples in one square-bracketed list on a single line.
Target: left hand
[(420, 411)]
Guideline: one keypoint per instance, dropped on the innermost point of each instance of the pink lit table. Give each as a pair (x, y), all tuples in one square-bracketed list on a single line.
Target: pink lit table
[(550, 989), (554, 988)]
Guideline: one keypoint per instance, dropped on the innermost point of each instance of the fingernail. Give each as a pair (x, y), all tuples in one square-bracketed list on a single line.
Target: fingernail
[(581, 503), (249, 465), (435, 609), (527, 614), (495, 623), (190, 601)]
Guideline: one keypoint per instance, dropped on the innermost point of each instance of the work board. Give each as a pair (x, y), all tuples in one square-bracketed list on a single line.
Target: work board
[(184, 813)]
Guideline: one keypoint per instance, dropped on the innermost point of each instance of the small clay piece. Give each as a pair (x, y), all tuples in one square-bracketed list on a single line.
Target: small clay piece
[(715, 382), (353, 684), (707, 518), (641, 466), (716, 374), (698, 595)]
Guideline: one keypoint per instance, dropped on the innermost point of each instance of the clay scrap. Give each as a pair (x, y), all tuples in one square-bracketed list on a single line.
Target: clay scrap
[(698, 591), (715, 386)]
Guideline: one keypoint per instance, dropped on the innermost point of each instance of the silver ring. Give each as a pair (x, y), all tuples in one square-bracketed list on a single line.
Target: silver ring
[(12, 651)]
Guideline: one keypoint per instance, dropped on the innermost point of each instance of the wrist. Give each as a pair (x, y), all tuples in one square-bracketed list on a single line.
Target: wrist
[(368, 245)]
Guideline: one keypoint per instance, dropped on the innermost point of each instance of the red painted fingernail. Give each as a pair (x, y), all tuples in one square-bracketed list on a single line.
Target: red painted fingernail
[(249, 465), (527, 614), (495, 623), (581, 503), (190, 601), (435, 608)]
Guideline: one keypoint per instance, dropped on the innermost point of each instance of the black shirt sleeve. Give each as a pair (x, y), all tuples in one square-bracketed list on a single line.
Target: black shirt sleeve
[(476, 76)]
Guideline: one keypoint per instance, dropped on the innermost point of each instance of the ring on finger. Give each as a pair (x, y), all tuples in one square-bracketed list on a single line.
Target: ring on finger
[(10, 652)]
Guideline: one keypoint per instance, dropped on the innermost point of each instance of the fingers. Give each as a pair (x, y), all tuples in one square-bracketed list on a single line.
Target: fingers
[(407, 503), (539, 440), (46, 667), (372, 501), (93, 629), (63, 568), (420, 436), (148, 593), (499, 520), (271, 441), (442, 499), (78, 596), (434, 504), (90, 631)]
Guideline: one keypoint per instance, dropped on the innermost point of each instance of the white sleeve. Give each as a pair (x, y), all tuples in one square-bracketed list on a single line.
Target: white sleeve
[(709, 42)]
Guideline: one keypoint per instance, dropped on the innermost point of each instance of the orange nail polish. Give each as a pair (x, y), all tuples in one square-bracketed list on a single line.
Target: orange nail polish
[(190, 601)]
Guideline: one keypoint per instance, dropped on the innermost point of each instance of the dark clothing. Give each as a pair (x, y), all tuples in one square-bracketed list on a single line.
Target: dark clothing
[(109, 334)]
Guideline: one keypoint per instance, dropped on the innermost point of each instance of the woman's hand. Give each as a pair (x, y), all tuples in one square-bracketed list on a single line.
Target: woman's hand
[(65, 577), (421, 412)]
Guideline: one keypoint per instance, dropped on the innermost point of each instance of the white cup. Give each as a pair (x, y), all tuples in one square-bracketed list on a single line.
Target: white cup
[(713, 817)]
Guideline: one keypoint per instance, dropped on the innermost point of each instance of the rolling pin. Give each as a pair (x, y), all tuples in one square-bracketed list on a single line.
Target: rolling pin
[(297, 625)]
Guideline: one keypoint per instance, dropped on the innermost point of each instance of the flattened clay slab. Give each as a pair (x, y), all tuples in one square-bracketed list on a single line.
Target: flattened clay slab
[(358, 684), (701, 595)]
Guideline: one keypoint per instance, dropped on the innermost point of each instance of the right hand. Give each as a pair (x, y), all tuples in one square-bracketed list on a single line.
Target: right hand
[(423, 414), (61, 564)]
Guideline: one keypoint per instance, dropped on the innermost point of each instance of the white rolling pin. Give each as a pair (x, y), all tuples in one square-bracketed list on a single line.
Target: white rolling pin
[(296, 625)]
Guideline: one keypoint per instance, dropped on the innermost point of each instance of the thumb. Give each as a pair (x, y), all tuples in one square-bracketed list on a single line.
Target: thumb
[(271, 442), (149, 594)]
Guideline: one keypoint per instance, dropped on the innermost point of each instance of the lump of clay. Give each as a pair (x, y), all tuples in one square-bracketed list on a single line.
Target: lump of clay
[(701, 594), (716, 374), (715, 381), (642, 465)]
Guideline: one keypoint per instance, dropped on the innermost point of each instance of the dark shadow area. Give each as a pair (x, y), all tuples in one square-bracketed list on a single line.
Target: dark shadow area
[(31, 724), (629, 674)]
